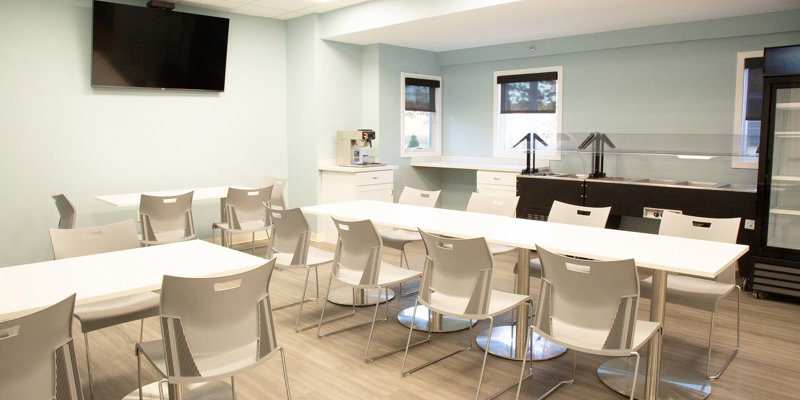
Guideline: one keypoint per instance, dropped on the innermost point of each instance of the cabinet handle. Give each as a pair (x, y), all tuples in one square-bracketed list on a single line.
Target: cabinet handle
[(374, 177), (497, 179)]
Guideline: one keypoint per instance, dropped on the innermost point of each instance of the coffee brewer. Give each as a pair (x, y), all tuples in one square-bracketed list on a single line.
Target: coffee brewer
[(350, 147)]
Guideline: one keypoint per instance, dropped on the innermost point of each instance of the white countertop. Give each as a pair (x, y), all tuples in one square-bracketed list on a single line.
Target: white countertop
[(473, 163), (338, 168), (673, 254)]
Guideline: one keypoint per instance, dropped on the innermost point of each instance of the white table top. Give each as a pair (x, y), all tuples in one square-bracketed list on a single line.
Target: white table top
[(132, 199), (25, 288), (672, 254)]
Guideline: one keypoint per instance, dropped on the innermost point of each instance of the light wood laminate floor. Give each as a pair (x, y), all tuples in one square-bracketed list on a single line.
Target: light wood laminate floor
[(767, 367)]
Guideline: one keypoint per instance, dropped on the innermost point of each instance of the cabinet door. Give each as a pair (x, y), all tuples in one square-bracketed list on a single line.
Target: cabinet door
[(536, 195), (783, 219), (375, 192)]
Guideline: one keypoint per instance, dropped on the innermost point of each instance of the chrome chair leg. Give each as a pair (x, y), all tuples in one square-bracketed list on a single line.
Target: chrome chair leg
[(635, 374), (711, 331), (397, 350), (285, 374), (322, 315), (139, 372), (409, 345), (403, 372), (485, 356), (88, 365), (374, 317)]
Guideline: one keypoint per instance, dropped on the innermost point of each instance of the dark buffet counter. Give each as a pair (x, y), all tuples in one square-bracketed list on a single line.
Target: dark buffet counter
[(636, 204)]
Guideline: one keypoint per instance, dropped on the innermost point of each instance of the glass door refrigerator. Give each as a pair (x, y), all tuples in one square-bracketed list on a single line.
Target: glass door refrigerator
[(777, 258)]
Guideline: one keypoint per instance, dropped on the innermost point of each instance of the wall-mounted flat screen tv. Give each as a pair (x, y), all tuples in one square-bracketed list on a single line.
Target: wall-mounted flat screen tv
[(157, 48)]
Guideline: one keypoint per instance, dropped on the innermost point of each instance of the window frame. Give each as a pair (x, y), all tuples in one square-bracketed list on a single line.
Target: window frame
[(497, 142), (436, 139), (738, 115)]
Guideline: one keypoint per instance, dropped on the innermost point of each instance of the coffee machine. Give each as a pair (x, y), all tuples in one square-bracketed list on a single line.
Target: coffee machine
[(350, 147)]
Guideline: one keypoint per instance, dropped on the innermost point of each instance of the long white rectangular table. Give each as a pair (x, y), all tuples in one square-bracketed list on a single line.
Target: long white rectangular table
[(662, 254), (204, 193), (132, 199), (29, 287)]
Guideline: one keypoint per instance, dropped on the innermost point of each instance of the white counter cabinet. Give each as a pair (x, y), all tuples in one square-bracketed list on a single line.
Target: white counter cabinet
[(353, 183)]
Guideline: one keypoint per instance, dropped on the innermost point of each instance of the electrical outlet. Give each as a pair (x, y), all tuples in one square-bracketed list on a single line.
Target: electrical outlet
[(749, 224)]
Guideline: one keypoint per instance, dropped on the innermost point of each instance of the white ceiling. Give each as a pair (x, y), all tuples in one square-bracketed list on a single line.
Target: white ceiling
[(278, 9), (517, 21)]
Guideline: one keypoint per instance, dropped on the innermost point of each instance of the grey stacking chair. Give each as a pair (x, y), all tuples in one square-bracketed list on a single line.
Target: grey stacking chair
[(66, 212), (590, 307), (457, 282), (37, 355), (699, 293), (565, 213), (290, 238), (246, 213), (399, 238), (357, 263), (213, 329), (166, 219), (101, 314), (505, 206), (278, 188)]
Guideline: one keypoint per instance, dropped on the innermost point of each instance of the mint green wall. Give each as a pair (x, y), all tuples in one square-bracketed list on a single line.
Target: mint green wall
[(59, 134), (324, 95), (661, 80), (394, 60), (302, 110)]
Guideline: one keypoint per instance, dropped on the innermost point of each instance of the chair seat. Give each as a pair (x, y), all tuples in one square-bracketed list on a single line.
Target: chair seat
[(315, 257), (165, 237), (592, 340), (499, 303), (389, 275), (105, 313), (247, 226), (690, 292), (396, 239), (220, 365)]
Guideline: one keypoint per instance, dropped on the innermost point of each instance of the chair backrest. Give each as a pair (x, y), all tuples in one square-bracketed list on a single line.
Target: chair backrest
[(66, 212), (92, 240), (214, 315), (247, 205), (166, 214), (290, 234), (358, 249), (458, 268), (589, 294), (278, 189), (565, 213), (714, 229), (484, 203), (416, 197), (38, 357)]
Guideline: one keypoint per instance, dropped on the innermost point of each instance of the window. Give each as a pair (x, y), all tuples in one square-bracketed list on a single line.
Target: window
[(420, 121), (747, 115), (527, 100)]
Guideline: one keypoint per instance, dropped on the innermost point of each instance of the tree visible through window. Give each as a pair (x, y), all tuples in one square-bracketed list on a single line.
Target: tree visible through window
[(420, 120)]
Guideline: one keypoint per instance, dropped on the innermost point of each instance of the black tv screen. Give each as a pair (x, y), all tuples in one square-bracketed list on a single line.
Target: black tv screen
[(156, 48)]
